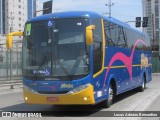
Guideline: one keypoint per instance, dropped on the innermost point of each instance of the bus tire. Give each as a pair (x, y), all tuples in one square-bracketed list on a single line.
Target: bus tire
[(111, 94), (143, 86)]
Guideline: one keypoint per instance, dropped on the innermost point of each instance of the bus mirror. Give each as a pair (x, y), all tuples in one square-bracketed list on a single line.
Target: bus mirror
[(89, 34), (10, 37)]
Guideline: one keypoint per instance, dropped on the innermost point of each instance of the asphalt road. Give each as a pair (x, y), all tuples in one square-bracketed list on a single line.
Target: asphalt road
[(130, 101), (155, 106)]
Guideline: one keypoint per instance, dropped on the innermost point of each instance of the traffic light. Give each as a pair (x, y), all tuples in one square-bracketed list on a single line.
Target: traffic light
[(145, 22), (47, 7), (138, 21)]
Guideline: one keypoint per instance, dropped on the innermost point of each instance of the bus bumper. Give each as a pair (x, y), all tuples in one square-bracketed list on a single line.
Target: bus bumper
[(84, 97)]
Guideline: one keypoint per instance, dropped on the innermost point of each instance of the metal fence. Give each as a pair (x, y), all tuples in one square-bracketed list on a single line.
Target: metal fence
[(156, 64), (10, 65), (6, 61)]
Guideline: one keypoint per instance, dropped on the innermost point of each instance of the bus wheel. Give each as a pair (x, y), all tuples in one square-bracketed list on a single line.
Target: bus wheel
[(142, 88), (108, 102)]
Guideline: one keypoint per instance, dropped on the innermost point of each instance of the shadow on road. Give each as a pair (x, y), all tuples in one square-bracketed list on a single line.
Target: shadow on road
[(125, 95), (67, 110), (50, 110)]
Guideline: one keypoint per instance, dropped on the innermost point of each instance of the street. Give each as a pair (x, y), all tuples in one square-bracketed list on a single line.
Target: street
[(155, 106), (130, 101)]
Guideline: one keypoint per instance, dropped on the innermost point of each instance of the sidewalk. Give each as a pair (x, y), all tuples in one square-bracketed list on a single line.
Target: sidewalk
[(4, 89), (7, 84), (155, 74)]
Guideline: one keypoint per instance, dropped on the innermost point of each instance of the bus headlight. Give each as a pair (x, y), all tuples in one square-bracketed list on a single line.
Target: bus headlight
[(29, 89), (78, 89)]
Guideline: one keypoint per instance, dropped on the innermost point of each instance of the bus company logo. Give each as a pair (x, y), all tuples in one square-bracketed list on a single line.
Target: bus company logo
[(98, 84), (144, 61), (33, 84), (45, 72), (64, 85), (50, 79)]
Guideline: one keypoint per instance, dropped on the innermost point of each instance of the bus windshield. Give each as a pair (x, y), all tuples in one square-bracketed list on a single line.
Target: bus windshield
[(56, 48)]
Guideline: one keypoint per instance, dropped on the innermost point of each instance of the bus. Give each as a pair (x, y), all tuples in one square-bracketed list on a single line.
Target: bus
[(82, 58)]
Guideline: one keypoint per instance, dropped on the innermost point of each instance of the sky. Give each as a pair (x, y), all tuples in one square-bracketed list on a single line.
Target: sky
[(124, 10)]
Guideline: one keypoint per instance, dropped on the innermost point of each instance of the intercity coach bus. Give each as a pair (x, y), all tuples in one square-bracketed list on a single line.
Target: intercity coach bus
[(82, 58)]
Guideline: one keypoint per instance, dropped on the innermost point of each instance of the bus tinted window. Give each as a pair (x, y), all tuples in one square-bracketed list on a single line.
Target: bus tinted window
[(115, 35), (119, 36), (97, 45), (97, 33), (133, 36)]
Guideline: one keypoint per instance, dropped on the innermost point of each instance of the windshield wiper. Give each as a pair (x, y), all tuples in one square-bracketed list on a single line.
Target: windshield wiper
[(60, 64), (44, 60), (40, 66)]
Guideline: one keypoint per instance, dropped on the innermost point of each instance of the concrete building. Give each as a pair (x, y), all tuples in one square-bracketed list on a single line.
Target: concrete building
[(2, 42), (14, 14), (151, 9)]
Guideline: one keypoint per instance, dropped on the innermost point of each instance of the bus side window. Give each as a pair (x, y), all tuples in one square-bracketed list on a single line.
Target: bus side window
[(115, 35), (97, 56), (109, 33), (97, 45)]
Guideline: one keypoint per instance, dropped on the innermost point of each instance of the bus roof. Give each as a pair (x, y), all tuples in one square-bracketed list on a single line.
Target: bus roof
[(83, 14), (68, 14)]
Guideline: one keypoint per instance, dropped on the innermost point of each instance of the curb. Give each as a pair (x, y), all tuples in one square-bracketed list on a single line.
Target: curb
[(8, 89), (155, 74)]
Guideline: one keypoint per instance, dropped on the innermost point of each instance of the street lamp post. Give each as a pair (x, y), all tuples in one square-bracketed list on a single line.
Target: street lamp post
[(11, 30), (153, 35), (11, 25), (110, 4)]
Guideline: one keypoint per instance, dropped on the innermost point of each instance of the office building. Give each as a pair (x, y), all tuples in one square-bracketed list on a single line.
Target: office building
[(32, 8), (14, 14), (151, 9), (2, 16)]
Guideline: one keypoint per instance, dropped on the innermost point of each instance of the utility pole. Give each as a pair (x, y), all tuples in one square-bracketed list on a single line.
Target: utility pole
[(11, 26), (11, 69), (1, 30), (110, 4), (153, 32)]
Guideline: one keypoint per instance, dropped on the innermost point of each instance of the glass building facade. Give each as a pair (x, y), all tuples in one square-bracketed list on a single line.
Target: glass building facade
[(32, 6), (151, 9), (2, 16)]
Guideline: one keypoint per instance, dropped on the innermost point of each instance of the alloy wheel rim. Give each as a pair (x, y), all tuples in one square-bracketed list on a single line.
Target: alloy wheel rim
[(110, 98), (143, 85)]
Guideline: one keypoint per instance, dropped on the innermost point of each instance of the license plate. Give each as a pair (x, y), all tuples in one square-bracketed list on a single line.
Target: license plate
[(52, 99)]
